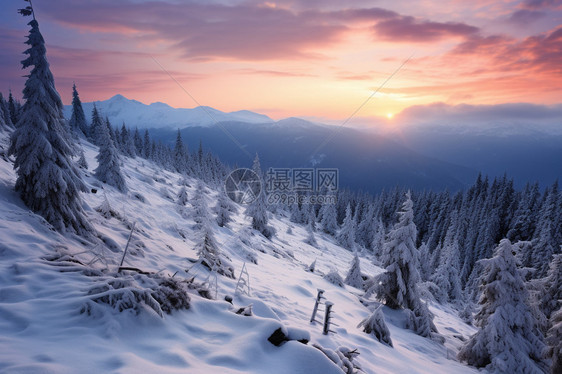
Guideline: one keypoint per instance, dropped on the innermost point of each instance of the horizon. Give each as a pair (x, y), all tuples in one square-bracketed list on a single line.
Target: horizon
[(301, 59)]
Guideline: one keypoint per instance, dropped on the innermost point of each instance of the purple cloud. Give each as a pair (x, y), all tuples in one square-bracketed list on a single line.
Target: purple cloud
[(408, 29)]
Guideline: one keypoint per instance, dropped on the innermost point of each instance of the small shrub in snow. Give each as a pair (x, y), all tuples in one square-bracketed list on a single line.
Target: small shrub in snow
[(139, 197), (105, 209), (342, 357), (138, 292), (353, 277), (375, 325), (311, 267), (245, 311), (311, 238), (334, 278)]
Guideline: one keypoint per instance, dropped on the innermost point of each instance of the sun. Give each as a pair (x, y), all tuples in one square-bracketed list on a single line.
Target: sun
[(389, 115)]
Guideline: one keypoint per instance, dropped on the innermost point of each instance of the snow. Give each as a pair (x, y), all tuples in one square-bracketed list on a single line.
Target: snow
[(119, 109), (42, 330)]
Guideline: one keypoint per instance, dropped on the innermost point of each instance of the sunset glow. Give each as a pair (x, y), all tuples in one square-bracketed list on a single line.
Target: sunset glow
[(297, 58)]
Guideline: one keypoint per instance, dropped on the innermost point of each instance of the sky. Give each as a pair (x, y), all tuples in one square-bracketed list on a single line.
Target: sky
[(305, 58)]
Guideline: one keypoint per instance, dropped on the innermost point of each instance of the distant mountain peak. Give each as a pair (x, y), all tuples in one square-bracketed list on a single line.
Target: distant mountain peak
[(133, 113)]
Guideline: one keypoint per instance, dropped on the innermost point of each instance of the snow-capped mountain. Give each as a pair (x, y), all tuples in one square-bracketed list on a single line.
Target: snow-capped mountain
[(133, 113)]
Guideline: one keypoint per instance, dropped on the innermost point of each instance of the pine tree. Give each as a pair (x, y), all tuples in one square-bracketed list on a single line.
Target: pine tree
[(375, 324), (108, 170), (257, 209), (310, 238), (378, 237), (364, 233), (78, 118), (508, 341), (137, 140), (329, 219), (346, 236), (209, 253), (200, 207), (97, 128), (82, 163), (551, 292), (180, 154), (5, 113), (397, 287), (554, 342), (12, 107), (446, 276), (544, 244), (127, 142), (353, 277), (146, 146), (182, 197), (224, 209), (48, 182)]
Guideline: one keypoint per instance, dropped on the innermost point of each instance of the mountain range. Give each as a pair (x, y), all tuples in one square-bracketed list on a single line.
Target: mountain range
[(432, 155)]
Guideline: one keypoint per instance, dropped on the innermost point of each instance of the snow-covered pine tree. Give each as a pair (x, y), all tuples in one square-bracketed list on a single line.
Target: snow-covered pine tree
[(5, 113), (378, 237), (425, 272), (224, 209), (48, 182), (397, 287), (209, 252), (551, 293), (108, 170), (257, 209), (200, 208), (311, 238), (544, 244), (346, 236), (329, 218), (180, 155), (146, 146), (446, 276), (82, 163), (554, 342), (13, 109), (137, 140), (376, 325), (354, 278), (365, 226), (509, 341), (78, 122), (96, 127), (182, 197)]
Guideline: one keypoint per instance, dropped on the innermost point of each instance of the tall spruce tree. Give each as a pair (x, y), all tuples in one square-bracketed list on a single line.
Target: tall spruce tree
[(180, 155), (509, 340), (397, 287), (329, 219), (346, 236), (96, 130), (257, 209), (48, 182), (108, 170), (78, 122), (13, 108)]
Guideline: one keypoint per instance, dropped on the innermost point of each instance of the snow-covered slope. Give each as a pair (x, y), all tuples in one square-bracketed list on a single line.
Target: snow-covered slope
[(42, 329), (119, 109)]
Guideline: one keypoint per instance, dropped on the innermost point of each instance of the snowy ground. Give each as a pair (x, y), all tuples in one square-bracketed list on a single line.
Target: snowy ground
[(42, 329)]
